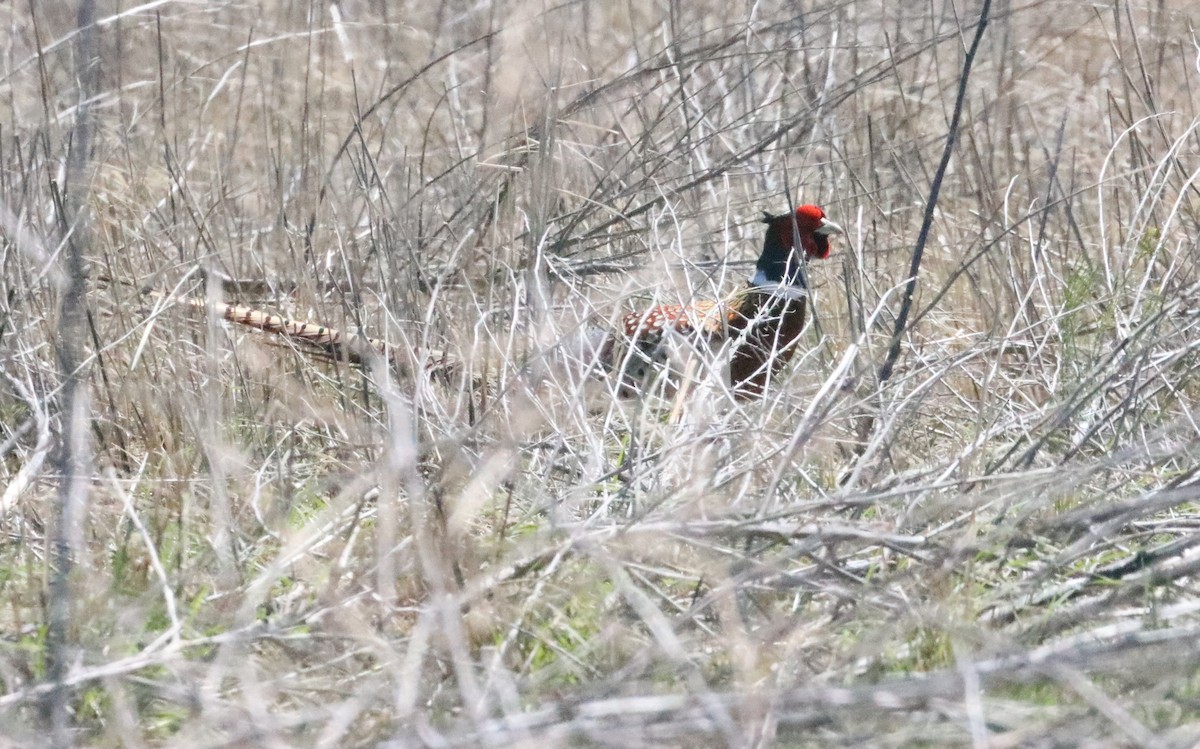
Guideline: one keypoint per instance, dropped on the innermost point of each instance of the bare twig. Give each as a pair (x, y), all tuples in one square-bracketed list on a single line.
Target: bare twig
[(74, 459), (935, 188)]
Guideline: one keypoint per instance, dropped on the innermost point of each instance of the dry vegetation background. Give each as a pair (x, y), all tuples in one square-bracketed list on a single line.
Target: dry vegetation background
[(997, 546)]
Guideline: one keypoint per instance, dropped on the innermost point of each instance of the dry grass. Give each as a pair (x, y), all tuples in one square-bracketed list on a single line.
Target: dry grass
[(997, 545)]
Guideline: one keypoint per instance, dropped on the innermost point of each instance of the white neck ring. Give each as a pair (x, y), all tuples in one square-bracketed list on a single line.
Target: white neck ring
[(760, 282)]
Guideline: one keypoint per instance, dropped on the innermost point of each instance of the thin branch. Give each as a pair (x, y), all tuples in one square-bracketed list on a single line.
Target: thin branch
[(935, 188), (74, 458)]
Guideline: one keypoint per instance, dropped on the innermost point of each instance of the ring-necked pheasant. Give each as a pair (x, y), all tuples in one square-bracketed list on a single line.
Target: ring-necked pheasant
[(759, 322)]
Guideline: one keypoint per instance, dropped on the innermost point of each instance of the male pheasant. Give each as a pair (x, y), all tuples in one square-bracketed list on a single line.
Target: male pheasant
[(760, 322)]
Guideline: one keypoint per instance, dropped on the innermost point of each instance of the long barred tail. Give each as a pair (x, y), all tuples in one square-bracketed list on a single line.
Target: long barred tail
[(351, 347)]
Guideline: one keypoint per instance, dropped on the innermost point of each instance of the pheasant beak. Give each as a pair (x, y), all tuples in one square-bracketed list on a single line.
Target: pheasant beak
[(827, 227)]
